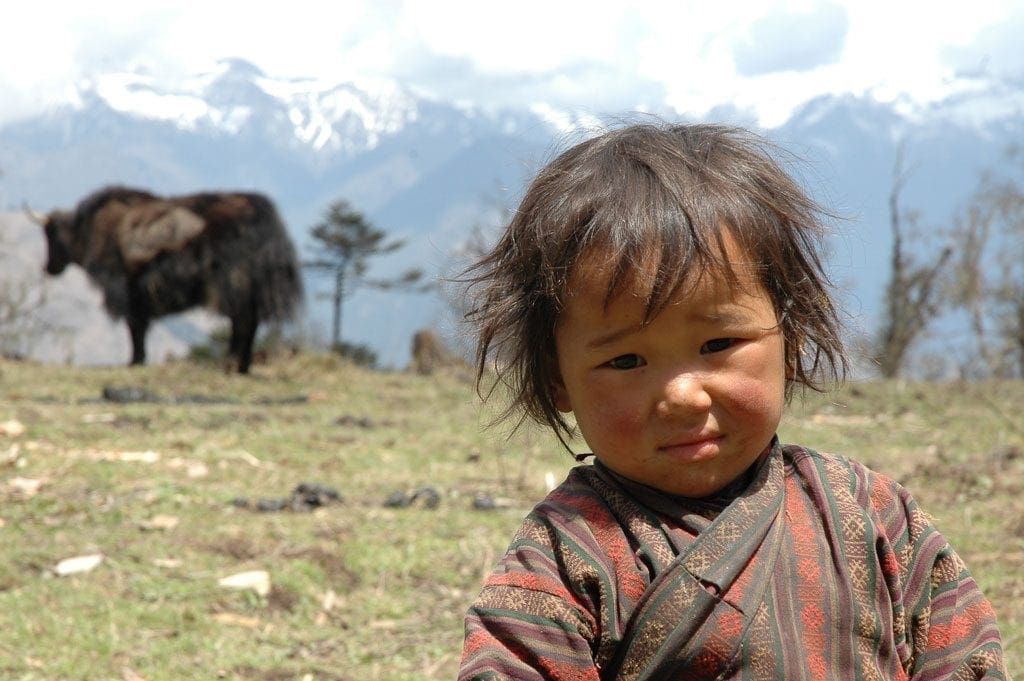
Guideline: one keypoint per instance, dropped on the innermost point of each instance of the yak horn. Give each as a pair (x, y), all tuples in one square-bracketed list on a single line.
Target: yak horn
[(34, 216)]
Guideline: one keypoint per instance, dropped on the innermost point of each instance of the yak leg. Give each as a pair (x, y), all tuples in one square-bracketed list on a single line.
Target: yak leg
[(138, 325), (138, 315), (243, 334)]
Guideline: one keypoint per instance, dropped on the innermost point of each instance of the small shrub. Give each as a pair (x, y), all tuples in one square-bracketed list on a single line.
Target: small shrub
[(359, 353)]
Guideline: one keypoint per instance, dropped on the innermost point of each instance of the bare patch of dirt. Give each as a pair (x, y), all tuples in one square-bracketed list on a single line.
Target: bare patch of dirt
[(332, 563), (239, 547), (282, 598), (980, 475)]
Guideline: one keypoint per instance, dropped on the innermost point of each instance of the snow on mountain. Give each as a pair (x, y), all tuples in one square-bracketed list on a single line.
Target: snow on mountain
[(349, 118), (565, 121), (333, 117), (135, 94), (326, 117), (428, 171)]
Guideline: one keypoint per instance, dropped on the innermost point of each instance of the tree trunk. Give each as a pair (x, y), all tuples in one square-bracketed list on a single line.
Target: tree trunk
[(339, 296), (910, 293), (1019, 333)]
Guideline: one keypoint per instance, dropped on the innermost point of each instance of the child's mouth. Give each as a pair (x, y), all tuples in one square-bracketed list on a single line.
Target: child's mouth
[(693, 449)]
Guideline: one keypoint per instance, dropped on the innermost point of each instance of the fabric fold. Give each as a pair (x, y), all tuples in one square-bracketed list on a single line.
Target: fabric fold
[(716, 583)]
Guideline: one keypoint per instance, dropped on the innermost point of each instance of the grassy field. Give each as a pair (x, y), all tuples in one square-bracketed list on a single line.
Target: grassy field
[(358, 589)]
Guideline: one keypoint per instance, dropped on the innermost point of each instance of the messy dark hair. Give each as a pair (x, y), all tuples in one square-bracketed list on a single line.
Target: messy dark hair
[(656, 195)]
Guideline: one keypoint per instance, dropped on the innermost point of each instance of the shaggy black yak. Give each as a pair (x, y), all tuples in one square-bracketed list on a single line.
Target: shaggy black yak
[(155, 256)]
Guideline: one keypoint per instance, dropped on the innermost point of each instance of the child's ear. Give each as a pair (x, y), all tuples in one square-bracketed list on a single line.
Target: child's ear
[(561, 397)]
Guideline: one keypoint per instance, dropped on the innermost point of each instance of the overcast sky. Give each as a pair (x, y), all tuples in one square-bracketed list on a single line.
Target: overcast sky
[(606, 57)]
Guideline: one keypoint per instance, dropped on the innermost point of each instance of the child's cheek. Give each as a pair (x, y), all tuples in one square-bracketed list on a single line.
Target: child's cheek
[(620, 417), (753, 396)]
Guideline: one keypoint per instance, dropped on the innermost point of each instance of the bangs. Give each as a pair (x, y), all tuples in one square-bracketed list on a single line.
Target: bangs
[(646, 236)]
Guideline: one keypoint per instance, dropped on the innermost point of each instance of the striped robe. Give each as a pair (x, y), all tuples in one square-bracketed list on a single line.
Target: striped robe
[(810, 567)]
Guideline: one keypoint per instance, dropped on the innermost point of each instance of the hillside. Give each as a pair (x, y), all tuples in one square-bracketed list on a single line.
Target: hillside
[(428, 171), (154, 478)]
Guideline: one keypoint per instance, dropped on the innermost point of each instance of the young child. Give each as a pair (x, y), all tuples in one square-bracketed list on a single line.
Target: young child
[(663, 284)]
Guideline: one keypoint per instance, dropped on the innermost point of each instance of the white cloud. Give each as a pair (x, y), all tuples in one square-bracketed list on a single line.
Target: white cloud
[(692, 55), (36, 57), (530, 35), (792, 40)]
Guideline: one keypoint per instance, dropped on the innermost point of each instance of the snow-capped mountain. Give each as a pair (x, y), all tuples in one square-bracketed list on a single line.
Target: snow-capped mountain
[(328, 119), (427, 171)]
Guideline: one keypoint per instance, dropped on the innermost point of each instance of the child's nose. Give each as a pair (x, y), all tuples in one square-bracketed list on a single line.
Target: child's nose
[(683, 394)]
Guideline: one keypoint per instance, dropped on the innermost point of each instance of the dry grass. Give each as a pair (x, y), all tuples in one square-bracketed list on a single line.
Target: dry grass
[(360, 590)]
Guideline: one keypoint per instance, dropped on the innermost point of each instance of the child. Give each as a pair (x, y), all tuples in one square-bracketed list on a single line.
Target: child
[(663, 285)]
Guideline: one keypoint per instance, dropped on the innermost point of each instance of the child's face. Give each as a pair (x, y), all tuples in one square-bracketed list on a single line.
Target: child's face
[(685, 404)]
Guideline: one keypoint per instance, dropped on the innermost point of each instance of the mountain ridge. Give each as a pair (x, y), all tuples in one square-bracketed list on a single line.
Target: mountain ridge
[(428, 171)]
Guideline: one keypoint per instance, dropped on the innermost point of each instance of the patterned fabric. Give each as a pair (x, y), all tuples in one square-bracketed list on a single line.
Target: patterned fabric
[(812, 567)]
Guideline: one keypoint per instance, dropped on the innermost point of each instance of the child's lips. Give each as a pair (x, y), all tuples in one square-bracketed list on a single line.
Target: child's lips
[(697, 448)]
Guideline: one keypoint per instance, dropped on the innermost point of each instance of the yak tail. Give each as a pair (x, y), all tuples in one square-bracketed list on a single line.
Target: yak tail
[(277, 281)]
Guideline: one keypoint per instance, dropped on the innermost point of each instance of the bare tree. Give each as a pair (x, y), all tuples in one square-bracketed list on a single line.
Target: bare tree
[(347, 240), (21, 298), (988, 281), (912, 292)]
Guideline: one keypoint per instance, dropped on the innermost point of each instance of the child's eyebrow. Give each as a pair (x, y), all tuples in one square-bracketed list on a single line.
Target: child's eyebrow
[(612, 336), (724, 317), (721, 317)]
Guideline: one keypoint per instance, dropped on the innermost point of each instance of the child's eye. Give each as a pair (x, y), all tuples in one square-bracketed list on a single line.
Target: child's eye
[(630, 361), (717, 345)]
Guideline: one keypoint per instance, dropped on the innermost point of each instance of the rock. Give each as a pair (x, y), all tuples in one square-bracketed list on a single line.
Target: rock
[(12, 456), (256, 580), (305, 497), (309, 495), (484, 502), (427, 496), (147, 456), (271, 505), (160, 522), (12, 428), (397, 500), (78, 565), (167, 563), (128, 394), (24, 488)]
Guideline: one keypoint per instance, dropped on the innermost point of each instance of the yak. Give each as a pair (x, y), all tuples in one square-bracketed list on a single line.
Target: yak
[(155, 256)]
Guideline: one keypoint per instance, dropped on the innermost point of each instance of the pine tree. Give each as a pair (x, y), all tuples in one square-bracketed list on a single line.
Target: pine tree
[(346, 241)]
